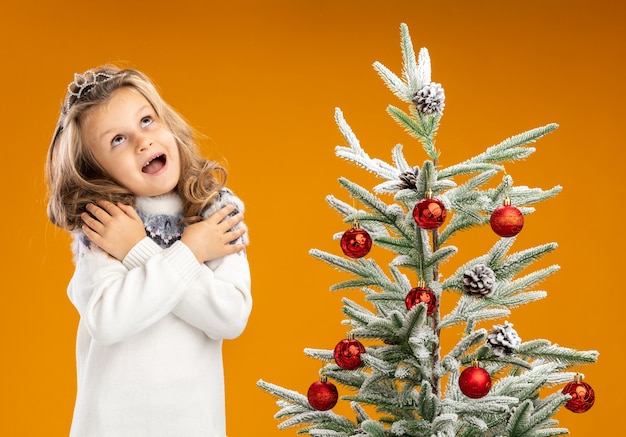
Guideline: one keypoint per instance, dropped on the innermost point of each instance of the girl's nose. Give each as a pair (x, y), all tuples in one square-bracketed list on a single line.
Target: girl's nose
[(144, 142)]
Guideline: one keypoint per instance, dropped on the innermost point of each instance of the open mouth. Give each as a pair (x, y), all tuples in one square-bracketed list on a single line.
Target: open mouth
[(155, 164)]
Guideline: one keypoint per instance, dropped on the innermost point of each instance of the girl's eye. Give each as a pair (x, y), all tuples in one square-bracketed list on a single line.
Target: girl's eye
[(117, 140), (146, 121)]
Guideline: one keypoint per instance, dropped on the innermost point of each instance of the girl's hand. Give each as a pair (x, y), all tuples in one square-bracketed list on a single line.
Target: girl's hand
[(113, 228), (210, 238)]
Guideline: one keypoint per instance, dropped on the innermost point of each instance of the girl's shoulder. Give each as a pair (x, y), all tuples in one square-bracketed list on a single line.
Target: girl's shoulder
[(82, 246), (224, 197), (227, 197)]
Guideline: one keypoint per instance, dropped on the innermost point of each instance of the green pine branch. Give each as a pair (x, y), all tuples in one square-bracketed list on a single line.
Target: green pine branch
[(296, 411), (564, 356), (512, 148), (528, 421), (423, 128), (327, 433)]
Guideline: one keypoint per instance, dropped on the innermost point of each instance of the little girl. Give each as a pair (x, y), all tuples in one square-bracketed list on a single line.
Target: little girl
[(161, 276)]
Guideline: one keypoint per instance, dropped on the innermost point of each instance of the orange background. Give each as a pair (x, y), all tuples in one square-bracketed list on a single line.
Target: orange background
[(261, 80)]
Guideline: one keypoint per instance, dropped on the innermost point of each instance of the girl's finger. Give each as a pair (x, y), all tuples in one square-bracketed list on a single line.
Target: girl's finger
[(89, 233), (221, 214), (90, 221), (129, 211), (232, 221), (98, 212), (238, 247), (233, 248), (235, 234), (108, 206)]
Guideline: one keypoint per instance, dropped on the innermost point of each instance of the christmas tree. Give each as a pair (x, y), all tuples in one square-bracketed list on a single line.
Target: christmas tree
[(391, 366)]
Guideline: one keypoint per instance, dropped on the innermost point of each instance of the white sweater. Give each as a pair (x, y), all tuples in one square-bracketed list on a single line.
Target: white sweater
[(148, 349)]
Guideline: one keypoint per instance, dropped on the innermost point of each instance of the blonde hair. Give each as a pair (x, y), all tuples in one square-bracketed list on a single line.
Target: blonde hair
[(74, 177)]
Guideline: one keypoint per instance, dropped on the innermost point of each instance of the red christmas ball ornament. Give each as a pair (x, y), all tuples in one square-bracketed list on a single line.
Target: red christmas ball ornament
[(348, 353), (582, 395), (429, 213), (356, 242), (421, 294), (506, 220), (475, 382), (322, 395)]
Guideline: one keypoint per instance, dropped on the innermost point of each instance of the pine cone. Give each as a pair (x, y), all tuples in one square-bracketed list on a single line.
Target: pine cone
[(479, 280), (408, 179), (503, 339), (430, 99)]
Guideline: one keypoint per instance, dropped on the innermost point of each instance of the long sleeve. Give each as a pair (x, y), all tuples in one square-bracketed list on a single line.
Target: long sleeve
[(219, 301), (115, 302)]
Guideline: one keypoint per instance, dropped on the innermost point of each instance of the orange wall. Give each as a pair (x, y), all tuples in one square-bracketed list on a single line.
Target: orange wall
[(261, 80)]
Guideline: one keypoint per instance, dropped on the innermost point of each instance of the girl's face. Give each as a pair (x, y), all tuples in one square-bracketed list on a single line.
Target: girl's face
[(132, 144)]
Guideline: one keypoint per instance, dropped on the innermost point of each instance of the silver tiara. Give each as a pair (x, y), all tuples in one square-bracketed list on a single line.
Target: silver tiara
[(82, 85)]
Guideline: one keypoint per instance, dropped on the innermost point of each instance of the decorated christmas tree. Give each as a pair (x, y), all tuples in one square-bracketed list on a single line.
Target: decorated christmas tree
[(392, 367)]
